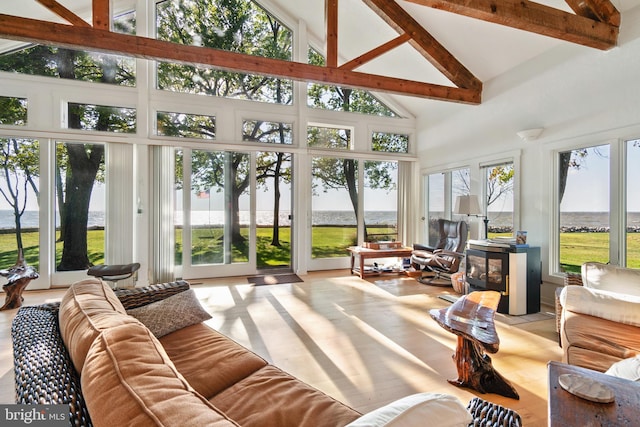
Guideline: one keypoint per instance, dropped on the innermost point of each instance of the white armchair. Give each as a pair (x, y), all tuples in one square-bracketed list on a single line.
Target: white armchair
[(600, 321)]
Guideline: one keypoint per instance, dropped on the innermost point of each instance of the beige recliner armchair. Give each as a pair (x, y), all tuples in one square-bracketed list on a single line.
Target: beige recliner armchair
[(600, 320)]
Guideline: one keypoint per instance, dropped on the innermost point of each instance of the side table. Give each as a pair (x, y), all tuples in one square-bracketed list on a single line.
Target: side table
[(471, 318), (565, 409), (18, 278)]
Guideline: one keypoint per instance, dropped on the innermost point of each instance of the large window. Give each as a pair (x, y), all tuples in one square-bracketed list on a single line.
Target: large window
[(499, 198), (274, 176), (380, 201), (95, 174), (336, 98), (101, 118), (239, 26), (338, 195), (14, 111), (19, 210), (390, 142), (436, 190), (267, 132), (334, 206), (584, 203), (72, 64), (460, 183), (329, 137), (80, 205), (183, 125), (219, 207), (442, 190)]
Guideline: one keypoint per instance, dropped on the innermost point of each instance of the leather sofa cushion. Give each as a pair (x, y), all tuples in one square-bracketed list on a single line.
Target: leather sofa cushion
[(210, 361), (597, 343), (590, 359), (128, 380), (271, 397), (87, 308)]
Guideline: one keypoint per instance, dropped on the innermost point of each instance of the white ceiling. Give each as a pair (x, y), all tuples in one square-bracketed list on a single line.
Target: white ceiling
[(486, 49)]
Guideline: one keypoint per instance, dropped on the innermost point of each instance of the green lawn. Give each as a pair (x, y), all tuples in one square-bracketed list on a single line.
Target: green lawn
[(328, 242)]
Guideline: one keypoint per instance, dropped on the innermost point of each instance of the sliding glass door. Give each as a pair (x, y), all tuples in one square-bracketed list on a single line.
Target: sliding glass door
[(233, 212)]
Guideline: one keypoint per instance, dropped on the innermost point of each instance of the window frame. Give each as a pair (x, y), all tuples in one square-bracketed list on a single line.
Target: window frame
[(484, 206), (617, 200)]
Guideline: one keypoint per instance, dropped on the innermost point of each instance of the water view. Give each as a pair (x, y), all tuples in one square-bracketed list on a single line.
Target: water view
[(569, 220)]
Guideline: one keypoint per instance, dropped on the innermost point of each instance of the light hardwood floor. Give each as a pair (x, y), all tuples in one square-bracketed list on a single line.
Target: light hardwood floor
[(364, 342)]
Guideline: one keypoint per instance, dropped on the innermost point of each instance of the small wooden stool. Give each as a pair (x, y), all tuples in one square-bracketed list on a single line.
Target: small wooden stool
[(113, 273)]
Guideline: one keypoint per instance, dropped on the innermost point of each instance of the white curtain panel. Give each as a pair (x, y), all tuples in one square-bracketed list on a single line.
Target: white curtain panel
[(162, 223)]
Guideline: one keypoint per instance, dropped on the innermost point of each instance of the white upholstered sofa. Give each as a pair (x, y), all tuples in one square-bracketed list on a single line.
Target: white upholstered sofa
[(600, 320)]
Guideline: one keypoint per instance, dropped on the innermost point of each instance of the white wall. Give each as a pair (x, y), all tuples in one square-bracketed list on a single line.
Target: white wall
[(577, 94)]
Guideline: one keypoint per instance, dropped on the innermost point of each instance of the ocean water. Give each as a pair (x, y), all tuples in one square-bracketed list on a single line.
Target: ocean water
[(29, 219), (96, 219)]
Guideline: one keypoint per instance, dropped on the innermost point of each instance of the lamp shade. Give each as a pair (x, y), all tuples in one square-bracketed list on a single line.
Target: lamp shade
[(467, 205)]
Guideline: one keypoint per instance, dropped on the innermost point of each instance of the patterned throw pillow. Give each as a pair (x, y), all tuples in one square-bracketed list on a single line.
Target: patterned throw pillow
[(173, 313)]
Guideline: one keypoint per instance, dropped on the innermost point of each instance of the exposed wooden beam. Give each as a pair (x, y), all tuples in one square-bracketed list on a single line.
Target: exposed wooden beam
[(599, 10), (101, 14), (533, 17), (63, 12), (87, 38), (331, 17), (374, 53), (396, 17)]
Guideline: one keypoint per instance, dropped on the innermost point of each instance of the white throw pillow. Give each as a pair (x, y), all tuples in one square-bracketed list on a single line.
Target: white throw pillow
[(418, 410), (612, 278), (627, 368)]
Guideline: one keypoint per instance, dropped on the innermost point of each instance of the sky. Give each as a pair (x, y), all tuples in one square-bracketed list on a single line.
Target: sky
[(588, 187)]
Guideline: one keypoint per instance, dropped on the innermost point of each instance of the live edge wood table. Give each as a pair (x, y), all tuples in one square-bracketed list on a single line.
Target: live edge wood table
[(366, 253), (471, 318), (565, 409)]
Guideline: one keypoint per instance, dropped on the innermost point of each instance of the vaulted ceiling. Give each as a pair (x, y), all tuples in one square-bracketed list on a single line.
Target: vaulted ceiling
[(439, 50)]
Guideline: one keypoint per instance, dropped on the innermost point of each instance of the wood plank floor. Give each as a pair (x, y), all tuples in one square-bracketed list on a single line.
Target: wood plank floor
[(364, 342)]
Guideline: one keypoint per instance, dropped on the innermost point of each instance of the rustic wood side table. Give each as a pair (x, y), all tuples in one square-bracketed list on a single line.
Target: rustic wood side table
[(18, 278), (565, 409), (471, 318)]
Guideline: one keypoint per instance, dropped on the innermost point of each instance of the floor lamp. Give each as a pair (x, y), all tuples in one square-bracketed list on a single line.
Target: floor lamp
[(468, 205)]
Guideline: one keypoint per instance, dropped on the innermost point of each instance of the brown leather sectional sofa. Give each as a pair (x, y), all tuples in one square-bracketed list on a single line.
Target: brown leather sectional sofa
[(144, 357), (191, 376)]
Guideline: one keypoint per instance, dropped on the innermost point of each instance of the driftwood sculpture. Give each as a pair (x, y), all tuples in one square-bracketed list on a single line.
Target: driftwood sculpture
[(471, 318), (18, 278)]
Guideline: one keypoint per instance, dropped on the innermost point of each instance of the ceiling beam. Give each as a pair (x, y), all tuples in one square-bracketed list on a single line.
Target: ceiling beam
[(83, 38), (64, 13), (397, 18), (101, 14), (598, 10), (374, 53), (331, 16), (534, 17)]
